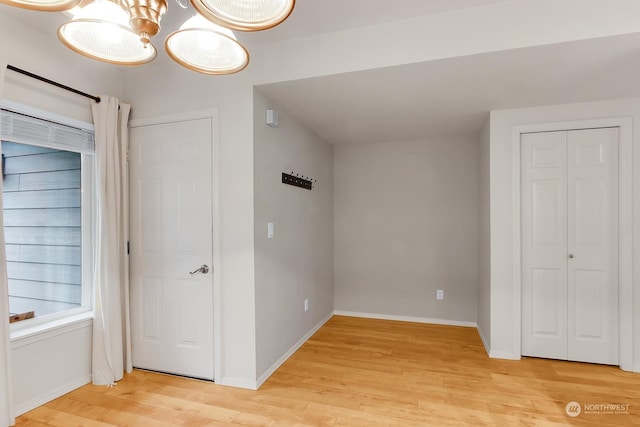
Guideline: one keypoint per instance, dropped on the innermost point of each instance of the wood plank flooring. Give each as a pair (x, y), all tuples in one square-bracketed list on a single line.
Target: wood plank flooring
[(363, 372)]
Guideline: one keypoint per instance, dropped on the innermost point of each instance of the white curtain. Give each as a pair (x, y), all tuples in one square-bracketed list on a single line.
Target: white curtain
[(6, 401), (111, 336)]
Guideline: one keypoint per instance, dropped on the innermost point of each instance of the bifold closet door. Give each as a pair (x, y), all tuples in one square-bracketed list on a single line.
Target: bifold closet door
[(593, 245), (544, 244), (570, 245)]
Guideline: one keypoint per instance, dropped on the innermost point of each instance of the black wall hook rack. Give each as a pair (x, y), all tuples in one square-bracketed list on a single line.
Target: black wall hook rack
[(298, 180)]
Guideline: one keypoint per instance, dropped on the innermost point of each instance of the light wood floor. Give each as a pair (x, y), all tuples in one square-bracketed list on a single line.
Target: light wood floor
[(359, 372)]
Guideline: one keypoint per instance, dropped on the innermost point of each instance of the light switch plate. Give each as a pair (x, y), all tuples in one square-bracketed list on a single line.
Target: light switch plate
[(270, 230)]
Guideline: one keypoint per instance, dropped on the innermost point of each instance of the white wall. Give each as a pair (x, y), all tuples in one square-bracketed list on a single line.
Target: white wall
[(504, 340), (47, 366), (164, 88), (46, 56), (406, 225), (232, 96), (484, 239), (297, 264)]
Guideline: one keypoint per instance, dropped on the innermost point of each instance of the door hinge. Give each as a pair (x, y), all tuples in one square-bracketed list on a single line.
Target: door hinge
[(128, 251)]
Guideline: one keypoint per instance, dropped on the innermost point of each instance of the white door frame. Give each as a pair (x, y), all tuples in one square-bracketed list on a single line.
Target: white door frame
[(211, 114), (625, 238)]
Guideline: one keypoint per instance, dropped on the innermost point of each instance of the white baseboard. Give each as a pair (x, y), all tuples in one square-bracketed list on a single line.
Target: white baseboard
[(406, 318), (264, 377), (51, 395), (503, 355), (485, 342), (238, 383)]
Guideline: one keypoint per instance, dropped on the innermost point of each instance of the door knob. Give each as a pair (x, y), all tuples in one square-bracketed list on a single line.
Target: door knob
[(570, 255), (204, 269)]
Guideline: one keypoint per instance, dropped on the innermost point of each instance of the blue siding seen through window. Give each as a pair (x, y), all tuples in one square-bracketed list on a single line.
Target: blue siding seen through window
[(42, 224)]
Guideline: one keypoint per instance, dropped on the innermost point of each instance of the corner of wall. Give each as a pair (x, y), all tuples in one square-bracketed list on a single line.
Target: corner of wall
[(294, 262), (485, 341), (484, 236), (264, 377)]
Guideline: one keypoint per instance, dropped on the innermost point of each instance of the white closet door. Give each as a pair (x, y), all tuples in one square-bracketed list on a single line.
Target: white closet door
[(570, 245), (593, 245), (544, 244)]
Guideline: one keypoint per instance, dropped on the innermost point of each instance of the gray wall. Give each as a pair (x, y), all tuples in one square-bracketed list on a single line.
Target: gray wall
[(297, 263), (405, 225), (484, 239)]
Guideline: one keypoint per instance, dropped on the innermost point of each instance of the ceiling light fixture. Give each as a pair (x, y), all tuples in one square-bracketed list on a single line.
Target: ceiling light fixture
[(245, 15), (43, 5), (120, 31), (101, 31), (203, 46)]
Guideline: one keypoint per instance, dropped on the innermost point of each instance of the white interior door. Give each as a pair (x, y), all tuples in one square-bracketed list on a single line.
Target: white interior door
[(570, 245), (171, 236), (593, 245), (544, 244)]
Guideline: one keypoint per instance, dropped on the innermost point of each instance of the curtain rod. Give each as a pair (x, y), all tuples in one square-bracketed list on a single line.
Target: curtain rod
[(51, 82)]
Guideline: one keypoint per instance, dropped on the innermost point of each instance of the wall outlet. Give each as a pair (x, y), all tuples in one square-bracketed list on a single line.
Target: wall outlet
[(306, 304), (269, 230), (440, 294)]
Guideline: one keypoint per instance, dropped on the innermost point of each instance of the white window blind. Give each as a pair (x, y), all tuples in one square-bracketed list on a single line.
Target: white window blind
[(25, 129)]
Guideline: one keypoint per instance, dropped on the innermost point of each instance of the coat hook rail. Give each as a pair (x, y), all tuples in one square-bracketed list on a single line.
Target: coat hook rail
[(298, 180)]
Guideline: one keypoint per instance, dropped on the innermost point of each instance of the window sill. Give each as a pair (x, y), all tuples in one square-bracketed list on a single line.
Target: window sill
[(33, 333)]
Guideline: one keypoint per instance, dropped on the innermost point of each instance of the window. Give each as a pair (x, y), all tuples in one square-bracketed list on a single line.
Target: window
[(47, 176)]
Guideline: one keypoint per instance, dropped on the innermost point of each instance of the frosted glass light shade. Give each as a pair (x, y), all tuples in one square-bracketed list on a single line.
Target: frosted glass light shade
[(245, 15), (44, 5), (203, 46), (101, 31)]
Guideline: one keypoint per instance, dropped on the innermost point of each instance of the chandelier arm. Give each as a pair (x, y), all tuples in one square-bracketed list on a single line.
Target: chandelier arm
[(145, 16)]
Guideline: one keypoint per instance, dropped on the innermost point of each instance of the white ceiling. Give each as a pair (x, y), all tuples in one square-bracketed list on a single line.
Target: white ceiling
[(436, 98), (312, 17), (454, 96), (309, 17)]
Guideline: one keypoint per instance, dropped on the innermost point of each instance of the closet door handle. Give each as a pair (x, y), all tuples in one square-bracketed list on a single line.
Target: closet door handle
[(571, 256)]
